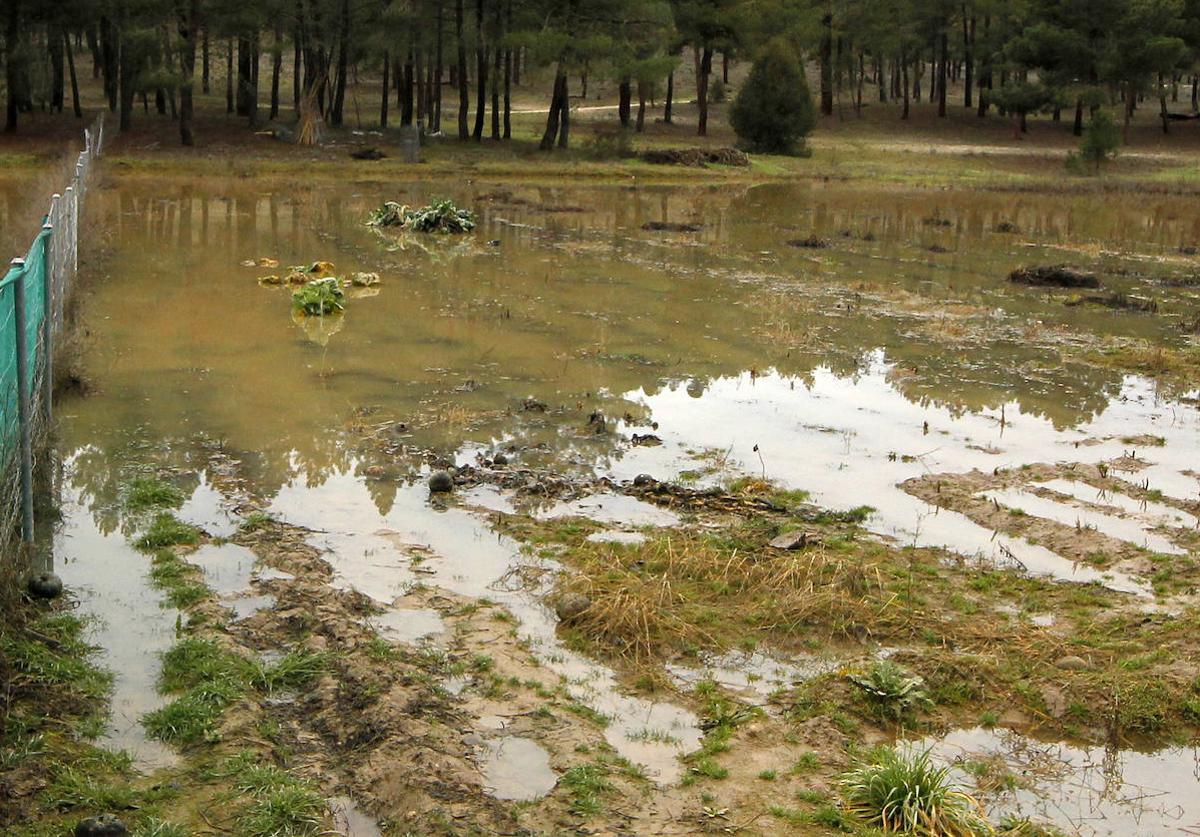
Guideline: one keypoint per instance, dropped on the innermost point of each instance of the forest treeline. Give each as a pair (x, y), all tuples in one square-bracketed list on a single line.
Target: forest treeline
[(1061, 57)]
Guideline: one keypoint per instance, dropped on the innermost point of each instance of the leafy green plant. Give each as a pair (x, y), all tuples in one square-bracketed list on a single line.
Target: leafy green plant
[(438, 217), (892, 690), (319, 297), (146, 493), (1100, 141), (909, 794), (167, 530)]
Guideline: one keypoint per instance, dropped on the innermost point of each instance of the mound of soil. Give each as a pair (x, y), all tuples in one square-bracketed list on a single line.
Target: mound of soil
[(1053, 276), (698, 157), (665, 226), (811, 243)]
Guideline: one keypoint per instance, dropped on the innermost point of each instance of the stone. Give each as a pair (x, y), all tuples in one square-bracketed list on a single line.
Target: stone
[(499, 459), (440, 482), (571, 606), (1056, 276), (793, 540), (44, 586), (105, 825), (643, 480), (1071, 663)]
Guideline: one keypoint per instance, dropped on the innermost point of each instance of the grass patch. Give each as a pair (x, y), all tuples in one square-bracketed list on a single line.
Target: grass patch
[(167, 530), (587, 785), (147, 493), (908, 793)]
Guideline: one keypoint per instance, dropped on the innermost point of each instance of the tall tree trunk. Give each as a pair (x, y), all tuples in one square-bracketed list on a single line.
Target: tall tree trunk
[(110, 52), (904, 83), (74, 81), (641, 115), (554, 115), (669, 104), (276, 69), (12, 70), (252, 99), (406, 90), (481, 70), (243, 76), (385, 99), (624, 101), (942, 67), (128, 72), (1077, 128), (54, 45), (419, 80), (464, 102), (229, 106), (188, 23), (204, 70), (827, 64), (564, 112), (339, 93), (437, 73), (508, 66), (969, 60), (702, 89), (1162, 102), (495, 82)]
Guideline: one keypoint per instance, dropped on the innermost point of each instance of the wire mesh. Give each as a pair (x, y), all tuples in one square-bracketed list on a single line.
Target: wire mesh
[(45, 277)]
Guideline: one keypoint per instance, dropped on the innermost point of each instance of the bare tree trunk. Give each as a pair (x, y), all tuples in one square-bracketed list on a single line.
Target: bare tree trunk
[(942, 71), (904, 83), (276, 70), (641, 114), (188, 23), (827, 64), (624, 101), (386, 89), (12, 70), (74, 81), (553, 117), (969, 61), (481, 70), (204, 69), (702, 89), (229, 79), (464, 103), (339, 94), (564, 117), (508, 68), (437, 93), (495, 82), (667, 106)]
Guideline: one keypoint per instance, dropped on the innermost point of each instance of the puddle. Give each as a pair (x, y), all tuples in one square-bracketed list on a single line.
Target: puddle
[(1123, 529), (755, 675), (350, 821), (517, 769), (488, 498), (1083, 790), (208, 509), (112, 582), (1153, 513), (373, 553), (227, 567), (409, 626), (613, 508), (244, 607)]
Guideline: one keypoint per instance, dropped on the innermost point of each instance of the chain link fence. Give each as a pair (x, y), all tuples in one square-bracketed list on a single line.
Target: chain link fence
[(33, 297)]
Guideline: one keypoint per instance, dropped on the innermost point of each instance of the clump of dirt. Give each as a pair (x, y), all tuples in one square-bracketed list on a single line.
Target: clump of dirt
[(696, 157), (1053, 276), (669, 226)]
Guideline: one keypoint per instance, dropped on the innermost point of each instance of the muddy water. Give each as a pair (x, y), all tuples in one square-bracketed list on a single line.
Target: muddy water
[(727, 344)]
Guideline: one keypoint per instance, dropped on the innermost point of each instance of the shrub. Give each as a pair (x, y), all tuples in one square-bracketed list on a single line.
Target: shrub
[(907, 793), (773, 111), (319, 297), (1100, 140), (892, 690)]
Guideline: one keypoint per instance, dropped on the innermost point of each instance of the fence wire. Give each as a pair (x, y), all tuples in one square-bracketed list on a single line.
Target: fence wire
[(33, 305)]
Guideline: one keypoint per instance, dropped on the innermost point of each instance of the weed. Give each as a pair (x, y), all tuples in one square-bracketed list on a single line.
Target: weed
[(892, 690), (319, 297), (166, 530), (149, 493), (297, 668), (906, 792), (587, 785), (768, 775)]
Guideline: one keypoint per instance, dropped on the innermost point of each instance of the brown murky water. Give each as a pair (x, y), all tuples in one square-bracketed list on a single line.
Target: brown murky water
[(838, 369)]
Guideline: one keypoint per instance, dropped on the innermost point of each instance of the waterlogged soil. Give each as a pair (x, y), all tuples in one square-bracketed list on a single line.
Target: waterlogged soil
[(1027, 457)]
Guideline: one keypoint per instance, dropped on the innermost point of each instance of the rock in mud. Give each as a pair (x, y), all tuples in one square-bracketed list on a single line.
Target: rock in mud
[(367, 154), (794, 540), (532, 405), (440, 482), (699, 157), (499, 460), (644, 481), (571, 606), (1071, 663), (105, 825), (44, 586), (1053, 276)]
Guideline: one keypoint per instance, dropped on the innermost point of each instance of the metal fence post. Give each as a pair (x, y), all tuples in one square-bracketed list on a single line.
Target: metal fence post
[(24, 425), (47, 322)]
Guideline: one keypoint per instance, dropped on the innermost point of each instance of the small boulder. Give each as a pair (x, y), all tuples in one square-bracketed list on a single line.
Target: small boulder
[(794, 540), (1071, 663), (499, 460), (44, 586), (105, 825), (441, 482), (571, 606), (644, 480)]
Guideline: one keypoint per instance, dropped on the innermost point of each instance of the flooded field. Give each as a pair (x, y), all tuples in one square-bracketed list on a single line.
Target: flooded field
[(616, 373)]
